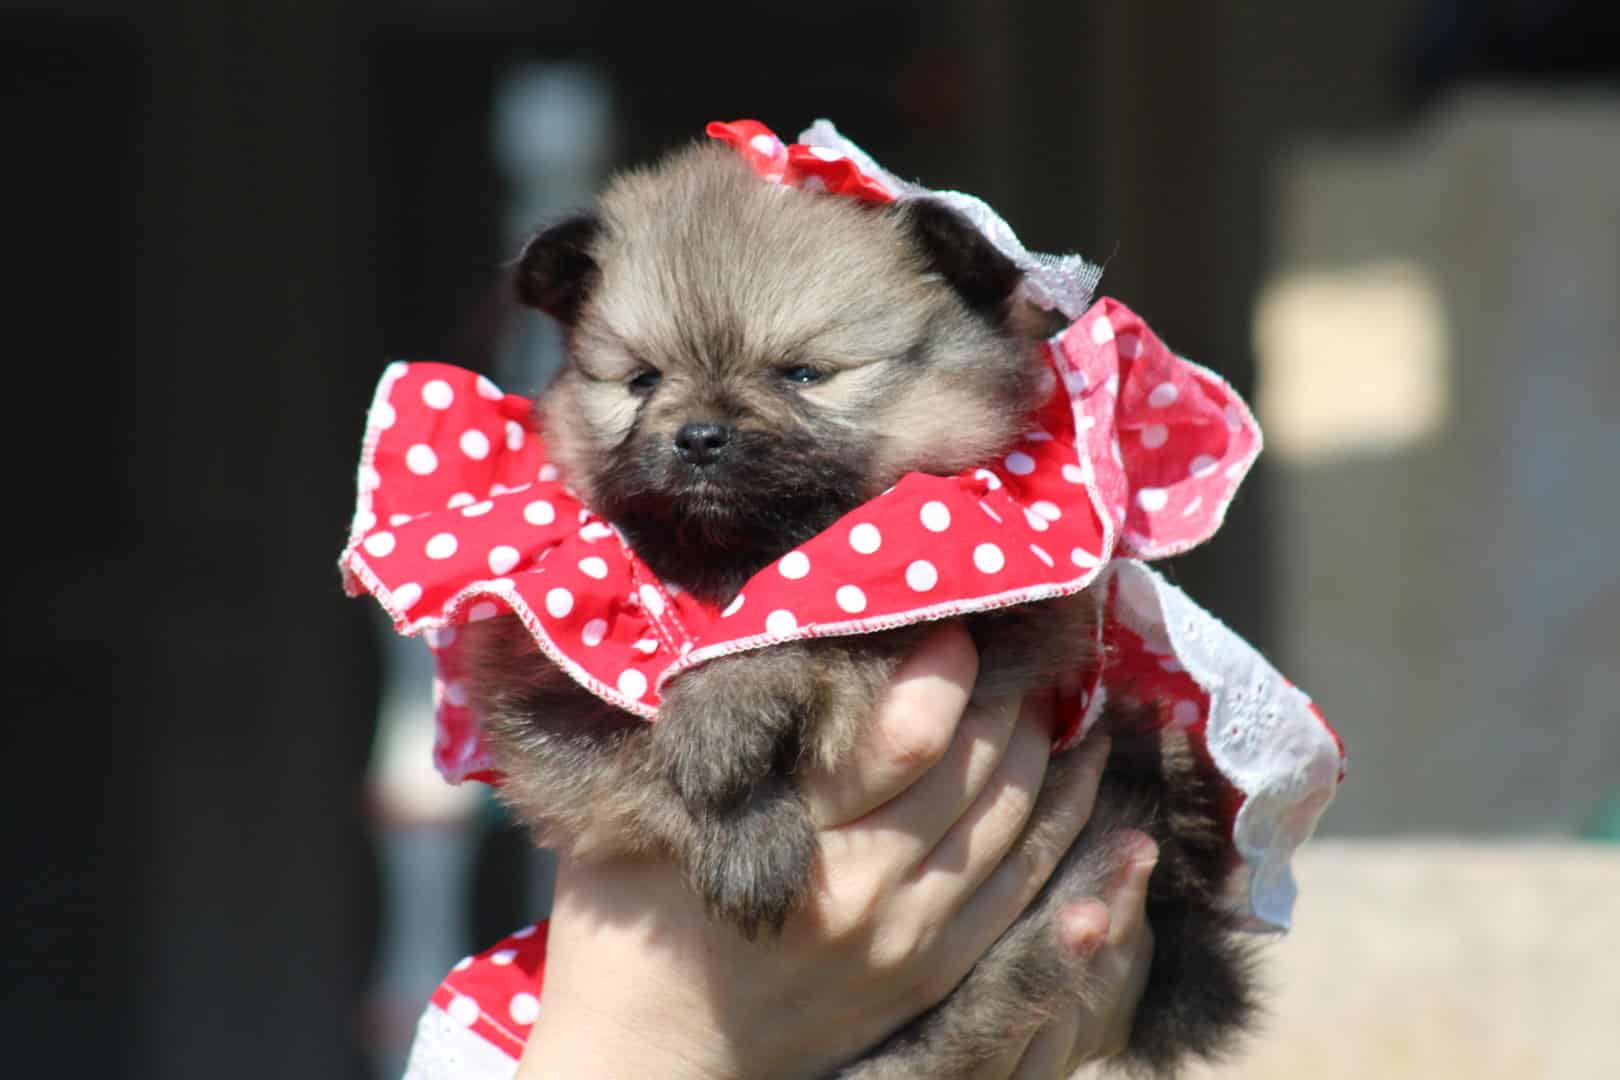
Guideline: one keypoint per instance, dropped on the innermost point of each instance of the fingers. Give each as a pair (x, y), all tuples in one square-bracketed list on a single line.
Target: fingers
[(1069, 1037), (914, 726), (884, 849), (931, 807), (1127, 902), (1111, 935), (1113, 938), (1120, 966), (1060, 813), (966, 819)]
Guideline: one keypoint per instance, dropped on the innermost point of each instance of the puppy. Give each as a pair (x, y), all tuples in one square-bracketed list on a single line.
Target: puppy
[(747, 363)]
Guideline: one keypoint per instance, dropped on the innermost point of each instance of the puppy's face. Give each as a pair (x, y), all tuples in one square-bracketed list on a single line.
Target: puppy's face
[(750, 362)]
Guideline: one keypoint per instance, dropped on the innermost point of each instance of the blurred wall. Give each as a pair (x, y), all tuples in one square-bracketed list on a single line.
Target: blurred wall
[(1450, 585)]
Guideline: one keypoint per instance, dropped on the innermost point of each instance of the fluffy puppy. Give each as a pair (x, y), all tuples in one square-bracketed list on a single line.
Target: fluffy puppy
[(747, 363)]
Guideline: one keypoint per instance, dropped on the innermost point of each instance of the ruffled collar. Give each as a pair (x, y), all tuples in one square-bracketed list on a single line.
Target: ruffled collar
[(1136, 453)]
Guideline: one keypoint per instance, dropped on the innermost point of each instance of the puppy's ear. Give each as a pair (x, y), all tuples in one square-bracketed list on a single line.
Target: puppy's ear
[(981, 275), (556, 272)]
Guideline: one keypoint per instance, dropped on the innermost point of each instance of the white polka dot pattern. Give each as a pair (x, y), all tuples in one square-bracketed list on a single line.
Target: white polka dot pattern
[(1019, 463), (436, 394), (495, 995), (921, 576), (481, 521), (463, 1010), (632, 683), (865, 538), (421, 459), (524, 1008), (502, 557)]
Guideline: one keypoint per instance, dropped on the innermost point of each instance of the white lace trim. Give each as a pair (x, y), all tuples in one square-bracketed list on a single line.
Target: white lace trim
[(1262, 735), (447, 1050)]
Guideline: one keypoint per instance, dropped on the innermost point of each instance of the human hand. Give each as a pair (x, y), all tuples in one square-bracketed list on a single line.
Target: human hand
[(1112, 936), (914, 881)]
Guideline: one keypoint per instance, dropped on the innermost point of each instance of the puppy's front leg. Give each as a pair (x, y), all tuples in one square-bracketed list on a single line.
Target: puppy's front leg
[(729, 739)]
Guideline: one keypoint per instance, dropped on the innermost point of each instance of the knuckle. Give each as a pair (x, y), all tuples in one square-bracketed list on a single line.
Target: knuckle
[(915, 738)]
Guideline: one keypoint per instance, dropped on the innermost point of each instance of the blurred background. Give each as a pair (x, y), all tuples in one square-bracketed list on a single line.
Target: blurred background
[(1394, 225)]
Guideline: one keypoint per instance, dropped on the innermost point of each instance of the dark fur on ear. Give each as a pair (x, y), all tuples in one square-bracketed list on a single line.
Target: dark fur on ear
[(556, 271), (981, 275)]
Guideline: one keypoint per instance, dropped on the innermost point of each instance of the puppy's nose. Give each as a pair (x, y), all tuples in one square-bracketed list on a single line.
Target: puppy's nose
[(701, 442)]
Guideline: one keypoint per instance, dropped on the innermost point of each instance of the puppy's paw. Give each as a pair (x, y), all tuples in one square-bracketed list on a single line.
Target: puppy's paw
[(751, 865), (715, 750)]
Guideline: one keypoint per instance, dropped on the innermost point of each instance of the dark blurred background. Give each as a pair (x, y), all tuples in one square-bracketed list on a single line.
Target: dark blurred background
[(224, 218)]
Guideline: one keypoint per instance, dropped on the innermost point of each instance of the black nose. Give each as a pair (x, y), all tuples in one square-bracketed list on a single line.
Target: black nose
[(700, 443)]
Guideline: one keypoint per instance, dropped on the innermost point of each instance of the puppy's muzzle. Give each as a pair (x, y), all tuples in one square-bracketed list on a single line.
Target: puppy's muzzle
[(702, 442)]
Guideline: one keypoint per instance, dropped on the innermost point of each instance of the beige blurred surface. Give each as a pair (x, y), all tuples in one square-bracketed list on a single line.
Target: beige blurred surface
[(1445, 960), (1439, 359)]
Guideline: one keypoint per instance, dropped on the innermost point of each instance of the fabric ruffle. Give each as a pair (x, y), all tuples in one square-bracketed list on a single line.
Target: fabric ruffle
[(1136, 454)]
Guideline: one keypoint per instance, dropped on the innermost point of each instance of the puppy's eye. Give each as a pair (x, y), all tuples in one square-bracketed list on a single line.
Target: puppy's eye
[(803, 374), (645, 381)]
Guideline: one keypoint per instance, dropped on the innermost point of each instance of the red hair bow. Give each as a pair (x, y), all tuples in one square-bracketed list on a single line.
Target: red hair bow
[(813, 168)]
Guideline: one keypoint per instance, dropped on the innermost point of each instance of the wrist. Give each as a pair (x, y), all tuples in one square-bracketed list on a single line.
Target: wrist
[(627, 984), (569, 1041)]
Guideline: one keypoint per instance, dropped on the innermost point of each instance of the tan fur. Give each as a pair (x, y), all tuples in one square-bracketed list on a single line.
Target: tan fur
[(763, 276), (696, 295)]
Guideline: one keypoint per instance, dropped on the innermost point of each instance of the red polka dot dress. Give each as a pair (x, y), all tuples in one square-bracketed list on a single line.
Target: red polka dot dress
[(1135, 455)]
